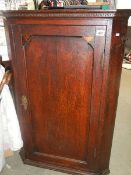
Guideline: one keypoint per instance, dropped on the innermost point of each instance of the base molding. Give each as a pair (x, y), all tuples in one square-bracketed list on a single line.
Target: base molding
[(60, 168)]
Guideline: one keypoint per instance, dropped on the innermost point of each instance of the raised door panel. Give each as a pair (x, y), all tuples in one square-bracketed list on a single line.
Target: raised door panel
[(60, 94), (58, 82)]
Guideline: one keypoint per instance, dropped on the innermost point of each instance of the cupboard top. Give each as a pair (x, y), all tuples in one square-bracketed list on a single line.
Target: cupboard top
[(66, 13)]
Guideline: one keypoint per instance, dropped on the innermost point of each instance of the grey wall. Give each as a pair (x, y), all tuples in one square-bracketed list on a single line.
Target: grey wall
[(128, 42)]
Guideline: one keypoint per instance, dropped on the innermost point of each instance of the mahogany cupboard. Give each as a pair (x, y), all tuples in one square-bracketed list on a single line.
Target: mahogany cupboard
[(67, 66)]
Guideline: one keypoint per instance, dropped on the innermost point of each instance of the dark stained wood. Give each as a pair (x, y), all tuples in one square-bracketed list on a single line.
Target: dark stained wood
[(8, 66), (5, 64), (67, 67)]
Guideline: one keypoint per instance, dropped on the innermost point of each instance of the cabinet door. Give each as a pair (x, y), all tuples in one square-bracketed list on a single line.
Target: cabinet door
[(58, 77)]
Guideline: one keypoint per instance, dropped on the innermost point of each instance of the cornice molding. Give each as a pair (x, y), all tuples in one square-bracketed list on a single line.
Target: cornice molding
[(68, 13)]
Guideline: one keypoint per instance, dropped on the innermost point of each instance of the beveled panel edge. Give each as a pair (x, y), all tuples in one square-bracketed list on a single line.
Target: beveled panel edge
[(59, 168), (60, 158), (75, 13)]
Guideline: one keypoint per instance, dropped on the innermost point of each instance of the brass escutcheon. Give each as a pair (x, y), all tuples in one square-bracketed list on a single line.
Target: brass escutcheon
[(24, 102)]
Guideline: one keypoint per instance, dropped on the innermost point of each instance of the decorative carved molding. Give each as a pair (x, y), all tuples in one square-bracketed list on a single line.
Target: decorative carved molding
[(26, 39), (68, 13), (89, 40)]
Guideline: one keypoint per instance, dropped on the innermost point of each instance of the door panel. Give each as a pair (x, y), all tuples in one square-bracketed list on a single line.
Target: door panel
[(60, 92), (59, 77)]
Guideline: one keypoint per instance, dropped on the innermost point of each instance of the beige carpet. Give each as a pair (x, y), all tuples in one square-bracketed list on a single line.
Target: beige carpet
[(120, 163), (121, 151)]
